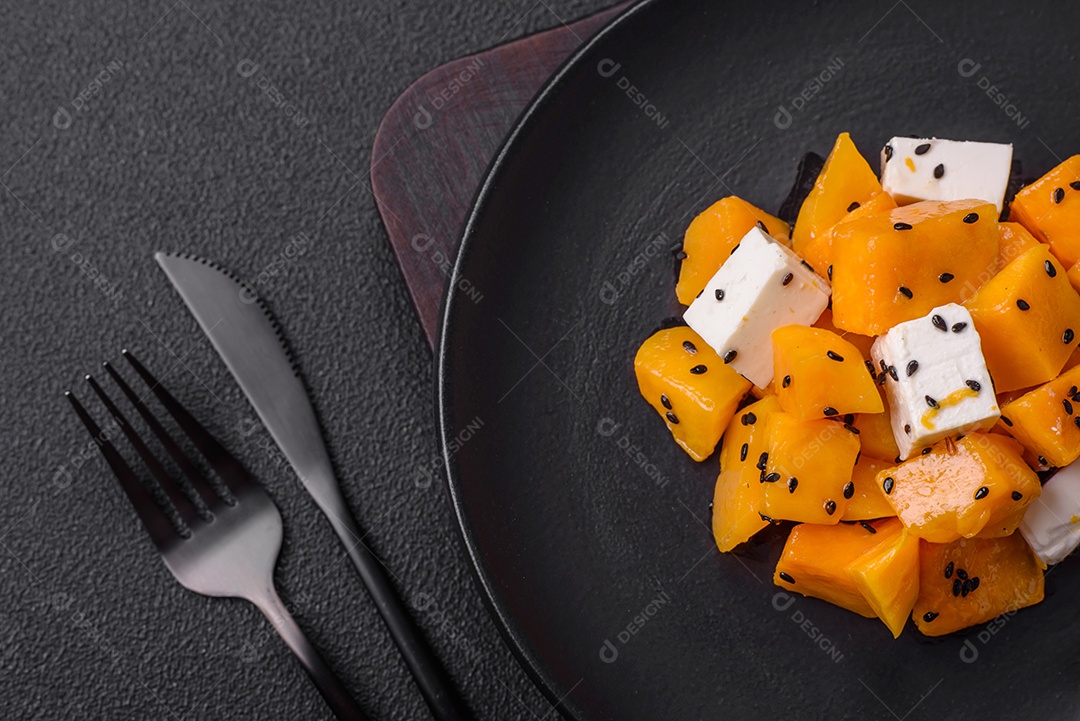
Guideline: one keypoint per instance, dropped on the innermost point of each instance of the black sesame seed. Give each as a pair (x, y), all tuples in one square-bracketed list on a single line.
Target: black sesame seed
[(785, 577), (699, 294), (849, 418), (830, 411), (982, 493), (961, 574), (884, 366), (930, 401), (906, 292), (853, 206), (749, 419), (665, 402), (765, 518), (870, 367), (1006, 421), (786, 382), (1076, 420), (835, 356), (1059, 195), (901, 226), (1075, 185), (888, 153), (762, 461), (698, 369), (939, 323), (743, 451), (957, 585), (1023, 304), (1017, 495), (689, 347), (719, 294), (949, 570), (1050, 269), (772, 477), (730, 355), (807, 265), (851, 429), (907, 428), (946, 277), (898, 459), (829, 271), (971, 218), (882, 378), (929, 616), (849, 489), (893, 374), (887, 484), (867, 526), (734, 249), (1067, 405), (925, 451), (858, 456), (958, 327), (673, 418), (939, 171), (792, 484), (787, 279), (1067, 336), (965, 589), (830, 507), (974, 385), (1043, 461), (761, 225), (922, 149), (912, 366), (973, 582)]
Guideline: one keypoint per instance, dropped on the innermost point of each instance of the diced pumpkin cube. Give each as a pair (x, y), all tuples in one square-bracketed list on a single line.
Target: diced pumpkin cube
[(816, 558), (738, 488), (808, 469), (974, 580), (1028, 317), (818, 251), (863, 342), (960, 487), (1050, 209), (1047, 420), (690, 386), (1015, 241), (868, 501), (887, 575), (712, 236), (892, 267), (845, 179), (820, 374)]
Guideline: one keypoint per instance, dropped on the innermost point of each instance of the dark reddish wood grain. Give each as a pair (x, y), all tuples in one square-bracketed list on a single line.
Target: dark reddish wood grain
[(434, 144)]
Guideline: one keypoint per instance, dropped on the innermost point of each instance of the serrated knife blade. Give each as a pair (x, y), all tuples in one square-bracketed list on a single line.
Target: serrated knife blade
[(250, 342)]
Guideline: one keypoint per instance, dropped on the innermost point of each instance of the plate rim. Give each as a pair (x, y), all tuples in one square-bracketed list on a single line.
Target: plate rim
[(451, 299)]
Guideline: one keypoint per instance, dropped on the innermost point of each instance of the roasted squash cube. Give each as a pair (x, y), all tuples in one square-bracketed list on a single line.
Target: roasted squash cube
[(896, 266), (1046, 420), (887, 575), (818, 251), (1028, 317), (712, 236), (1015, 241), (1050, 209), (818, 374), (690, 386)]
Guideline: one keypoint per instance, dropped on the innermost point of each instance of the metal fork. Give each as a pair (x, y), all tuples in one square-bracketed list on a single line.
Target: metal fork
[(230, 551)]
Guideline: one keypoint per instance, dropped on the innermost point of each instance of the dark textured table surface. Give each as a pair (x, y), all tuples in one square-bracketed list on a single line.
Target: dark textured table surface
[(241, 132)]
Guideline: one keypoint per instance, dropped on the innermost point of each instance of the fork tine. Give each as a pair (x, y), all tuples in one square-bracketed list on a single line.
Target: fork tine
[(204, 489), (231, 472), (153, 518), (183, 506)]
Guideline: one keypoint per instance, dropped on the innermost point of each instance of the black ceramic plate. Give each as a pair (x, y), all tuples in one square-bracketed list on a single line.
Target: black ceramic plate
[(587, 525)]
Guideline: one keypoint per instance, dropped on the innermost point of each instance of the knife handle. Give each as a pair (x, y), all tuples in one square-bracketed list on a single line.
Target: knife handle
[(441, 697)]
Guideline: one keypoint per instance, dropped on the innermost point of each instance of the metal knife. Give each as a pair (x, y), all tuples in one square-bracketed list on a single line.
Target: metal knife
[(248, 339)]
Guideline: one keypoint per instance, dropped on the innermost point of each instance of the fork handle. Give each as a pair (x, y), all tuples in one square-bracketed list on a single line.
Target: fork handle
[(333, 691)]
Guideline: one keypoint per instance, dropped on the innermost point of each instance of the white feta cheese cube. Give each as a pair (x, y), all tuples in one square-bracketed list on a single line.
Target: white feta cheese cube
[(762, 286), (914, 169), (1051, 524), (935, 378)]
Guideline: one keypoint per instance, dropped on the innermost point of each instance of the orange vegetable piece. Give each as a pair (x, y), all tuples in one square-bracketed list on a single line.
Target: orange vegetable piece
[(690, 386), (960, 487), (808, 469), (1045, 419), (820, 374), (863, 342), (816, 558), (868, 501), (1028, 317), (818, 250), (1050, 209), (1015, 241), (712, 236), (738, 488), (898, 266), (875, 431), (972, 581), (887, 576), (846, 178)]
